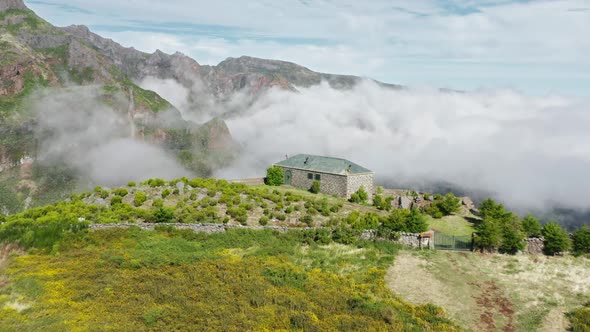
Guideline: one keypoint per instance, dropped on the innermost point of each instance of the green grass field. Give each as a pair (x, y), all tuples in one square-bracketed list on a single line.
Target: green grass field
[(451, 225), (133, 280)]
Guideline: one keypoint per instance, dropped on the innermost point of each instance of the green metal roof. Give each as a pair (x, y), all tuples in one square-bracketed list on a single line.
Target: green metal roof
[(323, 164)]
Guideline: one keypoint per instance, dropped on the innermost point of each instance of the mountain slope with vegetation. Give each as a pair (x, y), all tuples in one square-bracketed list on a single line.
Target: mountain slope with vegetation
[(39, 64), (62, 276), (320, 275)]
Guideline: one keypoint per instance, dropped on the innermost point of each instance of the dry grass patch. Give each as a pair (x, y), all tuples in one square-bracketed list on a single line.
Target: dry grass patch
[(494, 292)]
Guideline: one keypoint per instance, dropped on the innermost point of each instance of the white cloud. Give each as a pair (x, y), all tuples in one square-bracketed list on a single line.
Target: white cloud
[(531, 152)]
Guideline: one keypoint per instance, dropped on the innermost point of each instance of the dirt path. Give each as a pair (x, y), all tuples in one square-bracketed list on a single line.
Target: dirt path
[(410, 278), (555, 321)]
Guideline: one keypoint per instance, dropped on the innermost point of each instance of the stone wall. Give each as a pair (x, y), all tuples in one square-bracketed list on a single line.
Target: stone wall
[(414, 240), (534, 246), (330, 184), (355, 181), (197, 228)]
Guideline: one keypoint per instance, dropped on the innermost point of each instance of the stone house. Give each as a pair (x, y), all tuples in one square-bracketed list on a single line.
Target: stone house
[(337, 176)]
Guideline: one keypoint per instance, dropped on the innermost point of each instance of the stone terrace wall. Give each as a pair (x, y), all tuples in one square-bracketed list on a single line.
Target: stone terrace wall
[(197, 228), (534, 246), (414, 240), (408, 239)]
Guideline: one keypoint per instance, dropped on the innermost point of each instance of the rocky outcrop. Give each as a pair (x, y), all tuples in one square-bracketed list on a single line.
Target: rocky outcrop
[(12, 4), (405, 202), (219, 137), (534, 245)]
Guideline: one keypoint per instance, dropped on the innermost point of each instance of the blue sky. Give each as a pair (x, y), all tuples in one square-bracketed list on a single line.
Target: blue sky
[(536, 47)]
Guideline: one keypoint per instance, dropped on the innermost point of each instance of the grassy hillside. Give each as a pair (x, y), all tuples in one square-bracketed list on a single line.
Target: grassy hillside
[(133, 280), (496, 292)]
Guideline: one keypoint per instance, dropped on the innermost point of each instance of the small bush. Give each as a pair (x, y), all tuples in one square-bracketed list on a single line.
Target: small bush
[(120, 192), (139, 199), (156, 182), (116, 200), (165, 193), (164, 215), (307, 219), (382, 203), (360, 196), (275, 176), (580, 319), (315, 187), (158, 202), (263, 221), (443, 205), (131, 184)]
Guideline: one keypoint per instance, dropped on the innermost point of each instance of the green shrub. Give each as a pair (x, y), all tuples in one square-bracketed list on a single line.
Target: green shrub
[(402, 220), (580, 319), (531, 226), (158, 202), (307, 219), (489, 208), (139, 199), (488, 235), (263, 221), (165, 193), (116, 200), (512, 239), (45, 231), (344, 235), (131, 184), (416, 222), (382, 203), (443, 205), (315, 187), (176, 191), (275, 176), (120, 192), (104, 194), (156, 182), (164, 215), (556, 239), (582, 240), (360, 196), (449, 204)]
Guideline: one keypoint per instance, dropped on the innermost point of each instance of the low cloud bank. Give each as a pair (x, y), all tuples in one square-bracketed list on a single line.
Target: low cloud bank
[(532, 153), (80, 130)]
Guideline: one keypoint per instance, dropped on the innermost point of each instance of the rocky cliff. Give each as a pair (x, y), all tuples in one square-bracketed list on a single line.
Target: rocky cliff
[(41, 63)]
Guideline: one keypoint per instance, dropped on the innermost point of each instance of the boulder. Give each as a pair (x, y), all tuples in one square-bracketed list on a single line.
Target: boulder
[(180, 187), (405, 202)]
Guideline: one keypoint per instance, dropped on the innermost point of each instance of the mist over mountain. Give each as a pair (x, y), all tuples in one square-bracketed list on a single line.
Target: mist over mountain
[(115, 114)]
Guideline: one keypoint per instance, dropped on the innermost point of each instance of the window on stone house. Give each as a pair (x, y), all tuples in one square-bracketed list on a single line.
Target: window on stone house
[(317, 177), (310, 176)]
